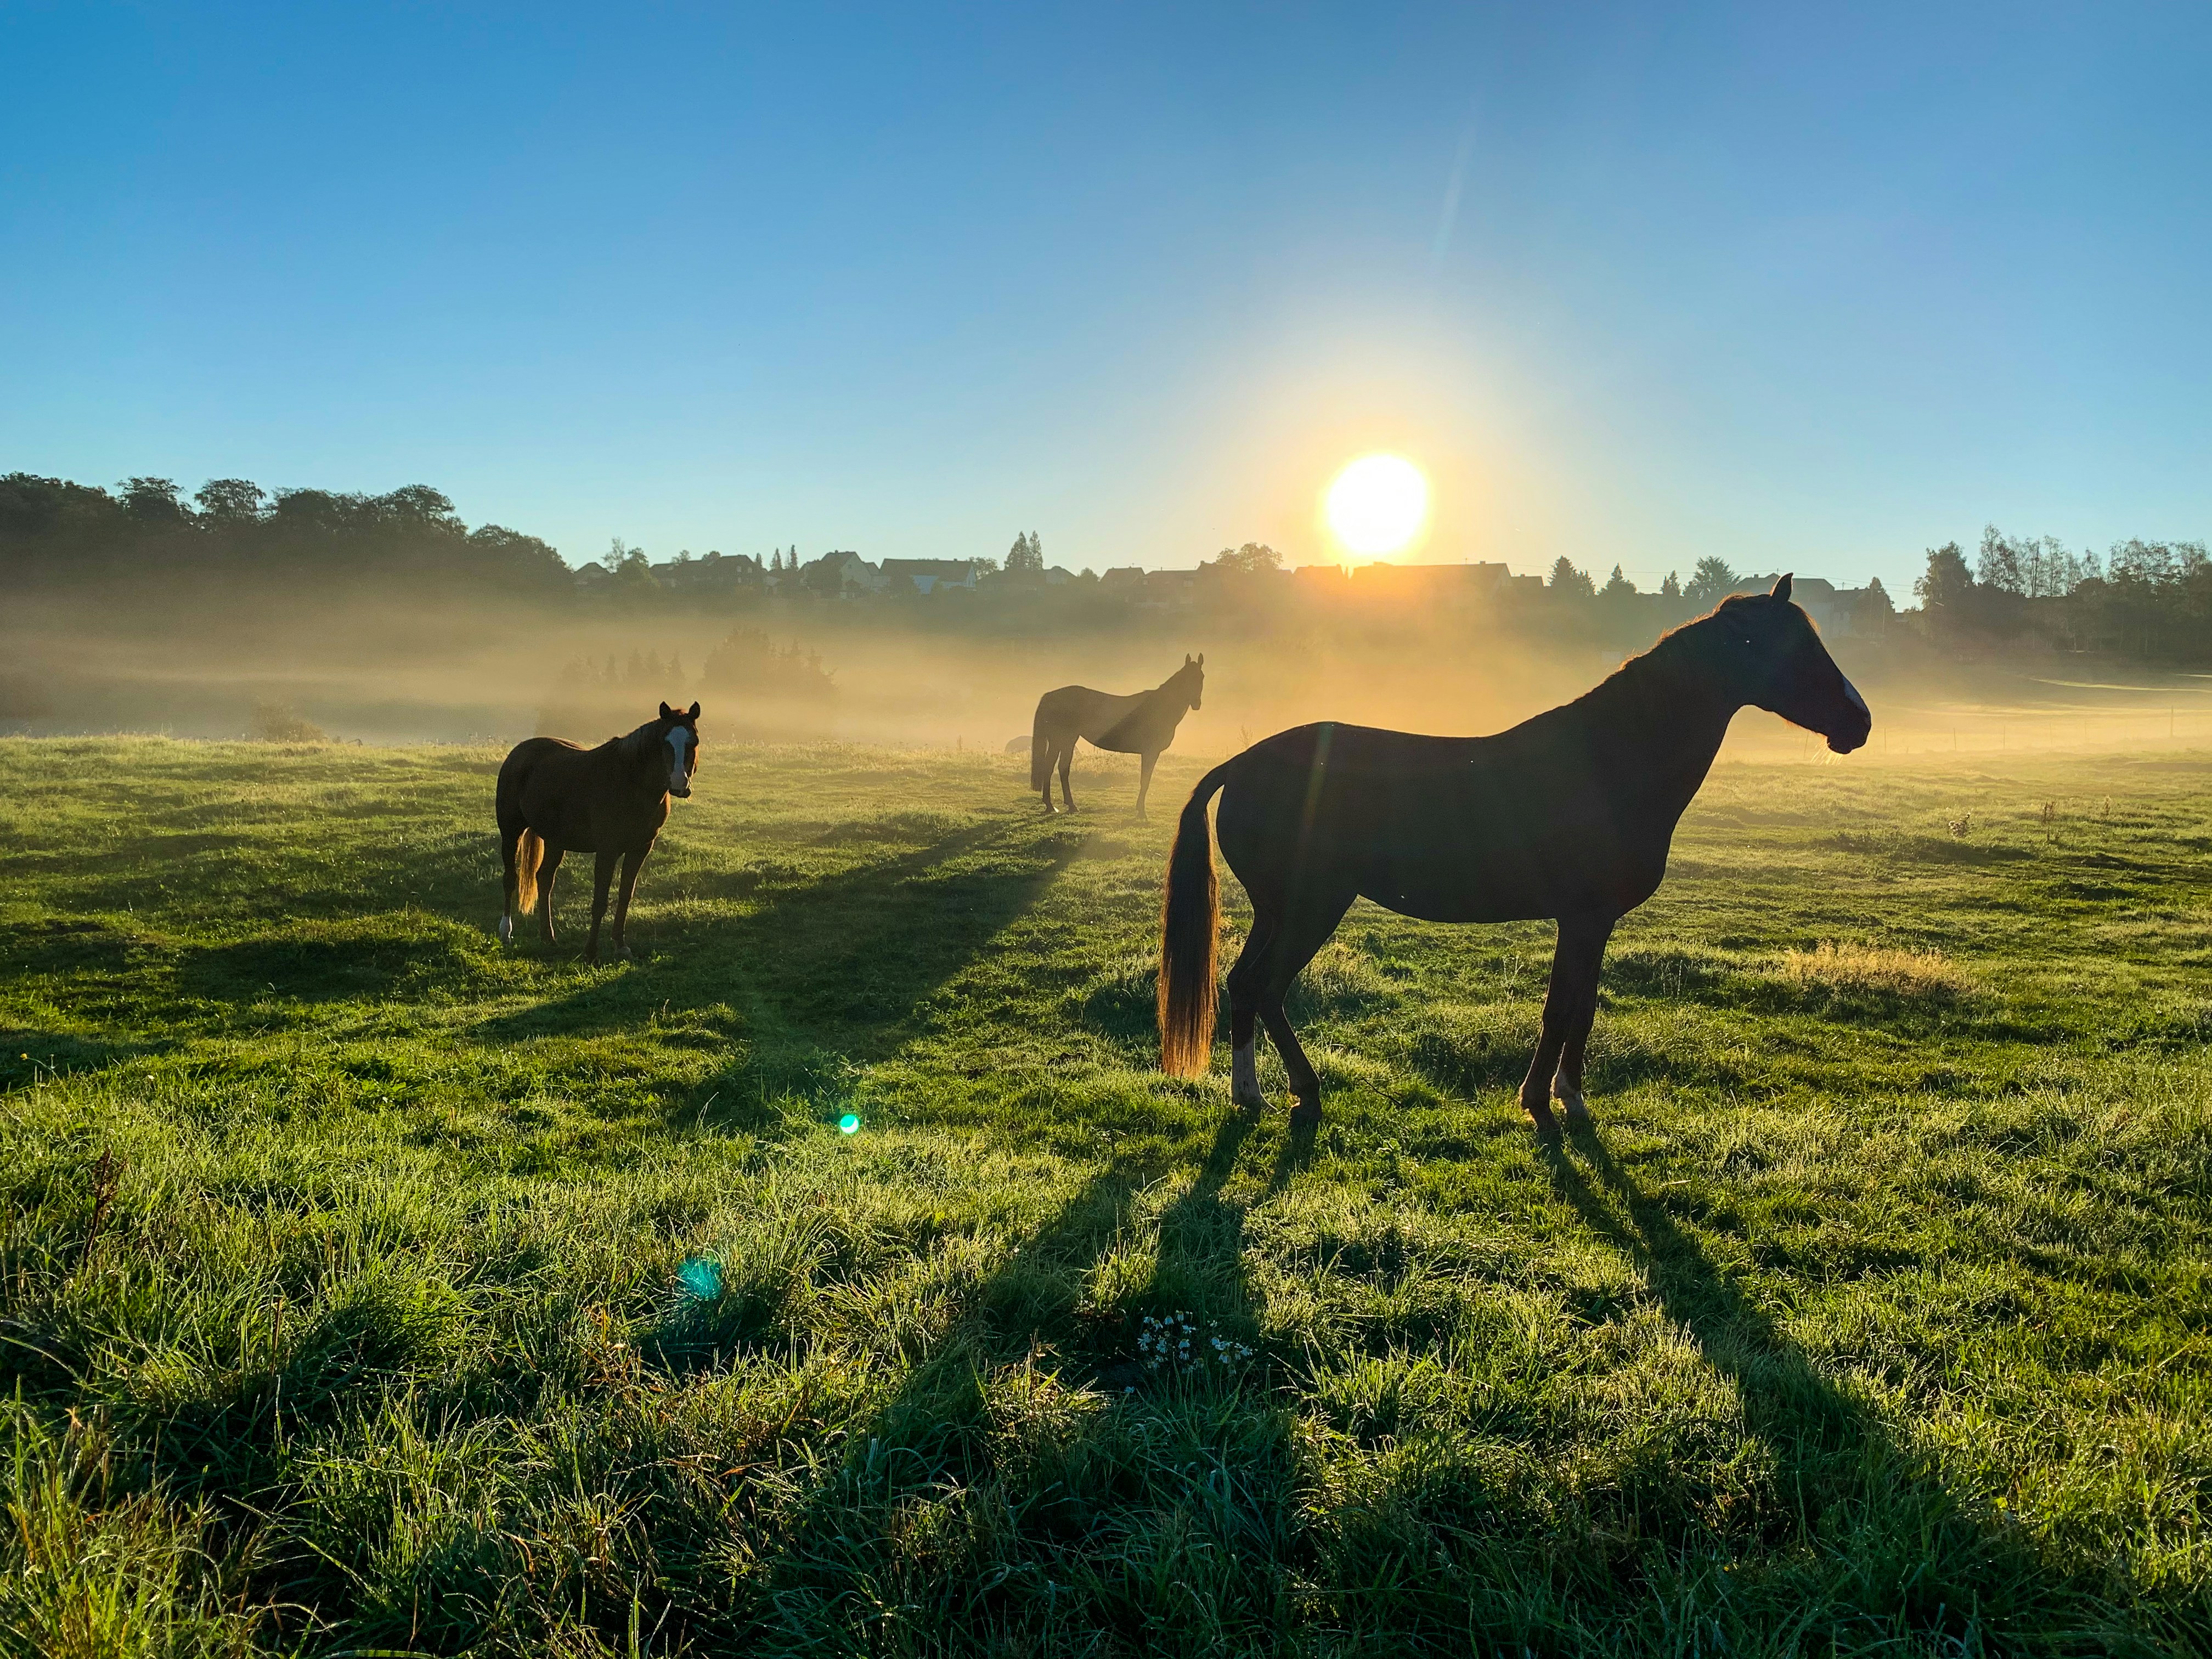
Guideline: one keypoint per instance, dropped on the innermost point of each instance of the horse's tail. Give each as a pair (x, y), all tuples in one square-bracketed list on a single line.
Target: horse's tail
[(1040, 751), (1190, 920), (529, 853)]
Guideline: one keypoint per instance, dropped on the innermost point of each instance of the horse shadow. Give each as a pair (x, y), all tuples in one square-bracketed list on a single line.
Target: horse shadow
[(818, 967), (935, 1433), (1834, 1459)]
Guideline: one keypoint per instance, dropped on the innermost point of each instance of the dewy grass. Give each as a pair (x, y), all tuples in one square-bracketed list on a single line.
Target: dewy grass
[(365, 1287)]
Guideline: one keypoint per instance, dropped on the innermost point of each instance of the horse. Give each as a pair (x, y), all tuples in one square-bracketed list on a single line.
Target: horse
[(1143, 723), (555, 798), (1566, 817)]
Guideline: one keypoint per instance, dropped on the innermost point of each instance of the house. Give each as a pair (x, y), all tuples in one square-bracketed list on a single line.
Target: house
[(712, 575), (929, 575), (843, 573)]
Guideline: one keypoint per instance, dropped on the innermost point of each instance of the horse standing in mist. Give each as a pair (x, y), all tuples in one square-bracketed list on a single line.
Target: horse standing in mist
[(1141, 724), (1568, 816), (555, 798)]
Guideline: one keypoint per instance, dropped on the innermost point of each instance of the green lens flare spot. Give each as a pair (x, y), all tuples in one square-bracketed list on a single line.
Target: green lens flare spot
[(849, 1124), (702, 1276)]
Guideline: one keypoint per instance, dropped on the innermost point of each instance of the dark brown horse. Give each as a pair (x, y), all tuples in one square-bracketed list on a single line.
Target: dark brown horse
[(1566, 815), (555, 798), (1143, 723)]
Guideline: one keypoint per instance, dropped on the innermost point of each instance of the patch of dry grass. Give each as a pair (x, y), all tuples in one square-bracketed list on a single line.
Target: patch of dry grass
[(1830, 966)]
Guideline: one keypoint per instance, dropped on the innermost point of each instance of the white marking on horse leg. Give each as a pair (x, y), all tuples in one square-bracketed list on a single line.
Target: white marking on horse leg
[(506, 930), (1244, 1077), (1568, 1096)]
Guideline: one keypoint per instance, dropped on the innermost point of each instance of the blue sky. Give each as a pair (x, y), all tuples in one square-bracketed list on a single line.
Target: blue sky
[(1804, 285)]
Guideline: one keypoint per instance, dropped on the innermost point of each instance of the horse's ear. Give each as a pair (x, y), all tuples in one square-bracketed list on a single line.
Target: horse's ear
[(1186, 659), (1202, 660), (694, 715), (1782, 586), (666, 713)]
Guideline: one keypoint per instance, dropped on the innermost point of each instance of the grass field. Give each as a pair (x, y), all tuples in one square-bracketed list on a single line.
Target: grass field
[(343, 1267)]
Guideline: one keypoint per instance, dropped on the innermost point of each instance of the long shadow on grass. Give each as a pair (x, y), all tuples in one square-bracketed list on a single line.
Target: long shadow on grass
[(836, 965), (1182, 1474), (1892, 1537)]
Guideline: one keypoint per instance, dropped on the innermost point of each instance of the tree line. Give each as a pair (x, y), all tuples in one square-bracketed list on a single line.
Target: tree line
[(144, 537), (2151, 601)]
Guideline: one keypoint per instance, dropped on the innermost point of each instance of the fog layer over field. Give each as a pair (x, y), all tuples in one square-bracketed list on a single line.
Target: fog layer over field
[(384, 672)]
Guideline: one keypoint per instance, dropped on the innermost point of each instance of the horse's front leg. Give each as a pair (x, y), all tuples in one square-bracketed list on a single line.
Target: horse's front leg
[(1151, 758), (632, 863), (1570, 1005), (603, 876), (1067, 760)]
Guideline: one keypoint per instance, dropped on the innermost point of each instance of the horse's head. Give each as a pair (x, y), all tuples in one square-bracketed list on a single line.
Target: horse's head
[(678, 730), (1774, 656), (1189, 680)]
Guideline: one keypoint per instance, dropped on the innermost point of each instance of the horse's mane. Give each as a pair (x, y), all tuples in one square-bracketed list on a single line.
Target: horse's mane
[(1677, 651)]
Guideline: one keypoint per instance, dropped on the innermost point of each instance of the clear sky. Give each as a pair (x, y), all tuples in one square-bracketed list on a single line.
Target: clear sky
[(1811, 285)]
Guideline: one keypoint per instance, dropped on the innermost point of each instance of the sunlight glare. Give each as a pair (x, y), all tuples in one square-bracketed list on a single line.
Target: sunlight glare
[(1377, 504)]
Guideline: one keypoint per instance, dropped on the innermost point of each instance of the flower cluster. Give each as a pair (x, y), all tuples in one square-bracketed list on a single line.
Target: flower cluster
[(1179, 1345)]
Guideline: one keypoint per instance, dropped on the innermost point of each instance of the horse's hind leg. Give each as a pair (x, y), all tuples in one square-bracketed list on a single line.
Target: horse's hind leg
[(1304, 932), (1145, 781), (548, 867), (1067, 760), (1569, 1005), (1245, 980)]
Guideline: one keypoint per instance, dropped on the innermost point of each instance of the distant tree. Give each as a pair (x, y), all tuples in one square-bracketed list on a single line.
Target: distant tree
[(1670, 589), (1569, 581), (1026, 556), (1617, 586), (1710, 581), (154, 500), (1245, 560), (1998, 565), (416, 504), (231, 500), (1946, 586), (1877, 597), (629, 566)]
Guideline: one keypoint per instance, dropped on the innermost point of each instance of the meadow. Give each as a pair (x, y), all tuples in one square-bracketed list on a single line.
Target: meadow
[(366, 1288)]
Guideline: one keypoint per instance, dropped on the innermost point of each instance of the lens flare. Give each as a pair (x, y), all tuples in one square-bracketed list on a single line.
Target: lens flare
[(1378, 504), (849, 1124), (702, 1276)]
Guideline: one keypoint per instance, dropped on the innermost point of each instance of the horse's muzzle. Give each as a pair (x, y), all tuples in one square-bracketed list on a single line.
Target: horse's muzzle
[(681, 791)]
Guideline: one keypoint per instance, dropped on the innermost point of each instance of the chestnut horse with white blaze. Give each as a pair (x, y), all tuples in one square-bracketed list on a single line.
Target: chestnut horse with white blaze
[(555, 798), (1568, 816), (1143, 723)]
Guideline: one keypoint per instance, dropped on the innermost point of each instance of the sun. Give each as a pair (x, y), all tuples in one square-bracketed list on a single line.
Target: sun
[(1378, 504)]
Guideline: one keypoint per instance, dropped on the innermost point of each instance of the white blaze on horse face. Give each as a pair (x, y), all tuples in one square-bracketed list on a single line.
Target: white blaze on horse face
[(679, 777)]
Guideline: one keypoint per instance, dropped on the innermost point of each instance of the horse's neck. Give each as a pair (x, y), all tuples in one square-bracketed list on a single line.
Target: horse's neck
[(1658, 724)]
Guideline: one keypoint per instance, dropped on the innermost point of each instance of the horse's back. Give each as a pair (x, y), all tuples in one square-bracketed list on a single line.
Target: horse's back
[(1452, 829)]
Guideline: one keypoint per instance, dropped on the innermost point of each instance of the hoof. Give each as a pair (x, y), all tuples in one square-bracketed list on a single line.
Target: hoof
[(1306, 1114), (1548, 1127), (1577, 1113)]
